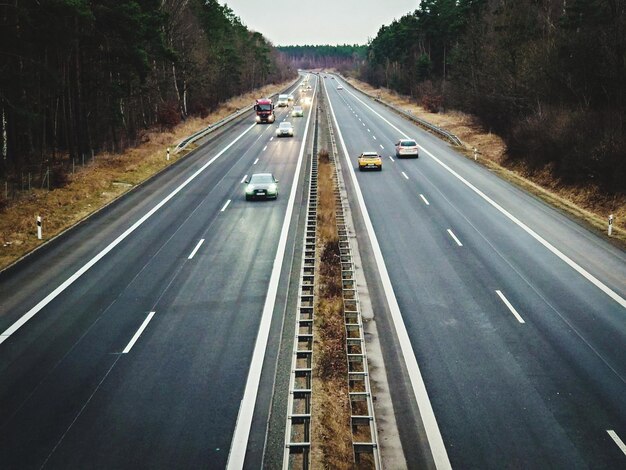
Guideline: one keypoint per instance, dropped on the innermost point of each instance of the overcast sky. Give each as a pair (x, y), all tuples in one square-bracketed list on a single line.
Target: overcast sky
[(287, 23)]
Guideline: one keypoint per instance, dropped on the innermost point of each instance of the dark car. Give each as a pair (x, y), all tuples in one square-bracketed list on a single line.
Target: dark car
[(261, 185)]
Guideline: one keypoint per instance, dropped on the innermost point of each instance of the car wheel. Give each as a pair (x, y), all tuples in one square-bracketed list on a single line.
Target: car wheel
[(248, 197), (380, 168)]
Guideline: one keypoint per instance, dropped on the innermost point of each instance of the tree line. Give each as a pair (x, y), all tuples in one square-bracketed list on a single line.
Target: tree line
[(343, 57), (548, 75), (83, 76)]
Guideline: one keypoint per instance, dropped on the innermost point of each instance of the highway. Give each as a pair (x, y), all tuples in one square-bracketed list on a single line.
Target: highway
[(150, 335), (143, 359), (515, 313)]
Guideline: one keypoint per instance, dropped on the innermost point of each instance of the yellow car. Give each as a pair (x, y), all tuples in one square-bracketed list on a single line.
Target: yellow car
[(370, 161)]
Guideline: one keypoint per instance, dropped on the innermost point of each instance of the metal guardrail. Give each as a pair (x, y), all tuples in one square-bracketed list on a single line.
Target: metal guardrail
[(297, 453), (216, 125), (437, 130), (362, 420)]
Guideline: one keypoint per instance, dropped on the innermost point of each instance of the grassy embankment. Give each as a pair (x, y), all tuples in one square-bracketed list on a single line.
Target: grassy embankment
[(331, 435), (587, 204), (100, 182)]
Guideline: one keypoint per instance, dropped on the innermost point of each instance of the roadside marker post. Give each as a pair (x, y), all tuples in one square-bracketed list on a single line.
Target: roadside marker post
[(610, 225), (475, 154), (38, 227), (168, 154)]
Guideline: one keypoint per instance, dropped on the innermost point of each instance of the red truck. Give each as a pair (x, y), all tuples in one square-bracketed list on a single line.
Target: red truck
[(264, 109)]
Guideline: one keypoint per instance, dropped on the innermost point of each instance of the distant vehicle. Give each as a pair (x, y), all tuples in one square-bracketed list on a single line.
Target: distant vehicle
[(285, 129), (339, 87), (264, 109), (370, 161), (290, 98), (308, 87), (332, 77), (297, 111), (283, 100), (406, 148), (306, 100), (261, 185)]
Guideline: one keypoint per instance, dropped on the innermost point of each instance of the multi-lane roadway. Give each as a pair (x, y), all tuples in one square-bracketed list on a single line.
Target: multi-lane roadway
[(150, 335)]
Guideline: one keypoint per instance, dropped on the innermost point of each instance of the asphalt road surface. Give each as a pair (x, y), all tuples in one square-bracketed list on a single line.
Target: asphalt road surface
[(142, 360), (515, 313), (129, 341)]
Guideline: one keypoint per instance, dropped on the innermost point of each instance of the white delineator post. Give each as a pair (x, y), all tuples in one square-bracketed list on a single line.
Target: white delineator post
[(610, 231), (38, 227), (475, 153), (168, 154)]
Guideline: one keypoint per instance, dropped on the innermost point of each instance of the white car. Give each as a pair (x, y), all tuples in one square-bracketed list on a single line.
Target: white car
[(297, 111), (285, 129), (340, 87), (407, 148), (283, 100)]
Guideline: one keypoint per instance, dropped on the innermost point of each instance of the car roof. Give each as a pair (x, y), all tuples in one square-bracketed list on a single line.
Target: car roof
[(407, 140)]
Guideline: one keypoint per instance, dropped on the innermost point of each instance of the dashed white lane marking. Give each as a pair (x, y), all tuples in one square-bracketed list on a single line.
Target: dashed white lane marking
[(458, 242), (510, 307), (391, 158), (558, 253), (86, 267), (225, 206), (381, 146), (405, 175), (256, 161), (425, 200), (374, 137), (617, 440), (433, 435), (265, 148), (138, 333), (363, 124), (243, 180), (271, 138), (195, 250), (369, 130)]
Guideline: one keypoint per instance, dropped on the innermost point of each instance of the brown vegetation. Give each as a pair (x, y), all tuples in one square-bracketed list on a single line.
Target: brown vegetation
[(98, 183), (331, 434), (588, 203)]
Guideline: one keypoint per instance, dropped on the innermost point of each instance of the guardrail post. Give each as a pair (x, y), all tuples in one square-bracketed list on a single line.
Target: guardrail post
[(610, 231), (38, 227)]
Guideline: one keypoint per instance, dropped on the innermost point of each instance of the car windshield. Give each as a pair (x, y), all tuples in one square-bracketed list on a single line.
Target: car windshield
[(409, 143), (297, 108), (264, 107), (261, 178), (285, 125), (370, 155)]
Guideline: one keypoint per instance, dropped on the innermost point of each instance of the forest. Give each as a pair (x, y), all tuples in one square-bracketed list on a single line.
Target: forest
[(78, 77), (341, 58), (549, 76)]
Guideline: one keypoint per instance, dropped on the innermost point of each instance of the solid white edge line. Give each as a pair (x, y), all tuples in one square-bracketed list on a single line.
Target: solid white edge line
[(195, 250), (510, 307), (617, 440), (425, 200), (405, 175), (69, 281), (572, 264), (435, 441), (458, 242), (239, 444), (225, 206), (134, 339)]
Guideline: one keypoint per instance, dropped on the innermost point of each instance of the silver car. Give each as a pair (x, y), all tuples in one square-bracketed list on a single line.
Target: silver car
[(407, 148), (285, 129)]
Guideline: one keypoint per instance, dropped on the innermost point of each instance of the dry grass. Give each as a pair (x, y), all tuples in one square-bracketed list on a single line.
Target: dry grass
[(588, 204), (331, 433), (99, 183)]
